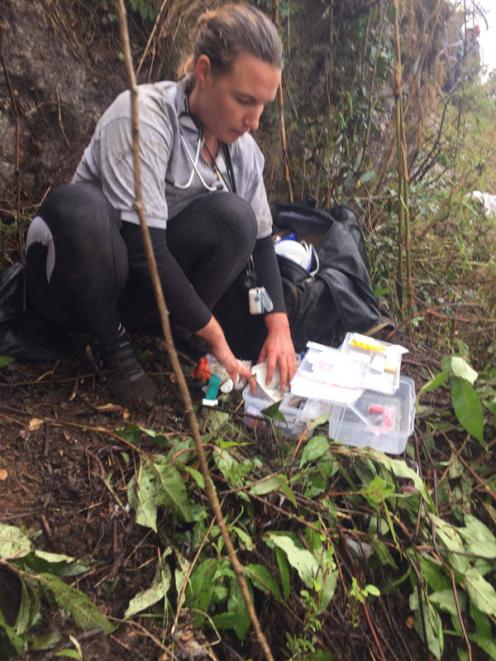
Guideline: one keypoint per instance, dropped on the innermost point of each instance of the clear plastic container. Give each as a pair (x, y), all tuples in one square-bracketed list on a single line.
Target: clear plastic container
[(297, 411), (376, 420)]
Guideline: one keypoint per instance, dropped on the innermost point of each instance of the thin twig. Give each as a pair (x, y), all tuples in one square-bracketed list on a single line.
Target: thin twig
[(373, 631), (460, 616), (478, 479), (152, 35), (403, 178), (282, 122), (17, 171), (371, 94), (166, 329), (188, 574)]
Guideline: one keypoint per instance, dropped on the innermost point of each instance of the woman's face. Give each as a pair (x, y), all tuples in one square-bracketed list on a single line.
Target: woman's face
[(230, 104)]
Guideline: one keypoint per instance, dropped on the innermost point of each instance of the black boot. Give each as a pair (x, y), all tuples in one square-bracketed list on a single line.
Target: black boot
[(128, 382)]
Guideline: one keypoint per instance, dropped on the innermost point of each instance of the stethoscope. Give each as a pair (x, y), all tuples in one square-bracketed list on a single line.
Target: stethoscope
[(194, 160)]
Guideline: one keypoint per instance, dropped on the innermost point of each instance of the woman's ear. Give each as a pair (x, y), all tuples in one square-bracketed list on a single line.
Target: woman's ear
[(203, 70)]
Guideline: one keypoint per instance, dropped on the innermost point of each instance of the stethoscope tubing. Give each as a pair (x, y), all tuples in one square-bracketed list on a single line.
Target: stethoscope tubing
[(194, 163)]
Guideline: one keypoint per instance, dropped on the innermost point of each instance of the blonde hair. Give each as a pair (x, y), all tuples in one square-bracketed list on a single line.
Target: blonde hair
[(223, 33)]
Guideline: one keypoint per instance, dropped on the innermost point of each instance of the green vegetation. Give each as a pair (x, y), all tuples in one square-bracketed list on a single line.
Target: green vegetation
[(320, 529), (346, 552), (40, 574)]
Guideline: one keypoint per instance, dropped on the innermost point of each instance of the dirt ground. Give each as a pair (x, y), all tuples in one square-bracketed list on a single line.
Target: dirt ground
[(65, 485)]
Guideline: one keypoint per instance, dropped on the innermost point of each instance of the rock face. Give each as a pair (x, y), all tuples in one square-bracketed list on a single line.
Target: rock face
[(62, 60)]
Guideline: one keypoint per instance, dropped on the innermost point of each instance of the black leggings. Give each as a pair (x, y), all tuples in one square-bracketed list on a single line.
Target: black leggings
[(100, 275)]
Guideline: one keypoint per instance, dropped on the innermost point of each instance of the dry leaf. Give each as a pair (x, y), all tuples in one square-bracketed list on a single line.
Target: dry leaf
[(35, 424), (3, 474), (109, 408)]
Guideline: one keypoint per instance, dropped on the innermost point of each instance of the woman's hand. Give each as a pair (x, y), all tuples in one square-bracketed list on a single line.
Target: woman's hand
[(212, 333), (278, 349)]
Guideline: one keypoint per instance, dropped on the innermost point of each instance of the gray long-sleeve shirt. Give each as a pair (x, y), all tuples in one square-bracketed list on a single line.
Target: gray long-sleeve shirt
[(165, 163)]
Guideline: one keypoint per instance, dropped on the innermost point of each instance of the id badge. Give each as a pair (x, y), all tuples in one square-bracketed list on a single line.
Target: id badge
[(259, 301)]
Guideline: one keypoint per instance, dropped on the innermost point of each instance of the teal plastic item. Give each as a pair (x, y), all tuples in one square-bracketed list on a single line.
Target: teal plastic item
[(210, 398)]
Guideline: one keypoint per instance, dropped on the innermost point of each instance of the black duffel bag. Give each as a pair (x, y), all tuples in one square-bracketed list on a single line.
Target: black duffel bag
[(339, 297), (321, 308)]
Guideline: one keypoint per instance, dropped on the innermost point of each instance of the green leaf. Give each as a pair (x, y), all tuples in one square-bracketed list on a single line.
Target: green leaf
[(320, 420), (467, 407), (196, 475), (327, 592), (157, 591), (232, 470), (263, 580), (273, 412), (319, 655), (173, 488), (216, 420), (6, 360), (445, 601), (53, 563), (314, 449), (478, 538), (133, 434), (19, 643), (237, 606), (237, 617), (462, 369), (157, 484), (54, 558), (83, 610), (487, 644), (13, 542), (300, 559), (69, 654), (46, 641), (225, 620), (451, 538), (400, 469), (181, 574), (483, 626), (141, 493), (201, 587), (286, 490), (433, 624), (377, 491), (268, 485), (436, 382), (433, 574), (383, 553), (244, 538), (130, 433), (29, 608), (284, 572), (367, 177), (373, 590), (480, 591)]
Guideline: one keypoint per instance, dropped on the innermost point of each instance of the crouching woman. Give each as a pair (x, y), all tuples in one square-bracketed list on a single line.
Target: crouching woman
[(204, 200)]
